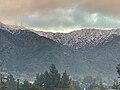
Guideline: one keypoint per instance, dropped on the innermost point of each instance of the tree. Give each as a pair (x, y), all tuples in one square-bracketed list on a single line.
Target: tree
[(39, 80), (118, 68), (46, 80), (54, 77), (4, 51), (101, 86), (36, 88), (65, 80), (51, 80), (115, 84), (26, 85), (11, 84), (75, 85), (95, 86), (88, 80)]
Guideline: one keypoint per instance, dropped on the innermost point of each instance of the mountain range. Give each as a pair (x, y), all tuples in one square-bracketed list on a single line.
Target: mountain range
[(82, 52)]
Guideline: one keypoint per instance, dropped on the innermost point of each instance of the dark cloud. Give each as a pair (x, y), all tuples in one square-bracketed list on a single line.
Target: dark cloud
[(29, 6), (61, 14)]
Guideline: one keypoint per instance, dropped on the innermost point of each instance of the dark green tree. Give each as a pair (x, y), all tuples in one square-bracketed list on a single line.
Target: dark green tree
[(36, 88), (46, 80), (54, 77), (65, 80), (101, 86), (75, 85), (118, 68), (52, 80), (10, 83), (40, 78), (93, 86), (115, 84), (26, 85), (88, 80), (37, 79)]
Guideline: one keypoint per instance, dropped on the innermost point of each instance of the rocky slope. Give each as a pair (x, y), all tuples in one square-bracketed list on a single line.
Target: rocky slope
[(81, 38)]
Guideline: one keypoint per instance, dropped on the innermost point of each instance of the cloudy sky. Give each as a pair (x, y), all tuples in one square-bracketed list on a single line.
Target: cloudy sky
[(61, 15)]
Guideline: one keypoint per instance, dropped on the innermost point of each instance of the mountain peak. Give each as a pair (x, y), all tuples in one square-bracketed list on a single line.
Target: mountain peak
[(11, 28)]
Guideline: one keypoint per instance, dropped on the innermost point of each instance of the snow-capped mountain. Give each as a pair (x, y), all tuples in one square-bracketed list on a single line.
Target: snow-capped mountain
[(12, 28), (33, 51), (81, 38), (84, 38)]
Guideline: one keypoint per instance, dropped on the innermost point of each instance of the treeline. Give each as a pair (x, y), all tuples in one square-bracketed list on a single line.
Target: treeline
[(53, 80), (49, 80)]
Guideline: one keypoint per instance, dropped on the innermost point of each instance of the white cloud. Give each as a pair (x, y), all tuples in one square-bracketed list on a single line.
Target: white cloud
[(93, 18)]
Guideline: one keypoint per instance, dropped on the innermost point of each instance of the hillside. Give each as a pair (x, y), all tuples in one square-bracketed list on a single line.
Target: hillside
[(81, 53)]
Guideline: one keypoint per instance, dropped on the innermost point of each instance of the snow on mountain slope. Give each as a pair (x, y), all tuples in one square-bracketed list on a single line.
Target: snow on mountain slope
[(81, 38), (11, 28), (84, 38)]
